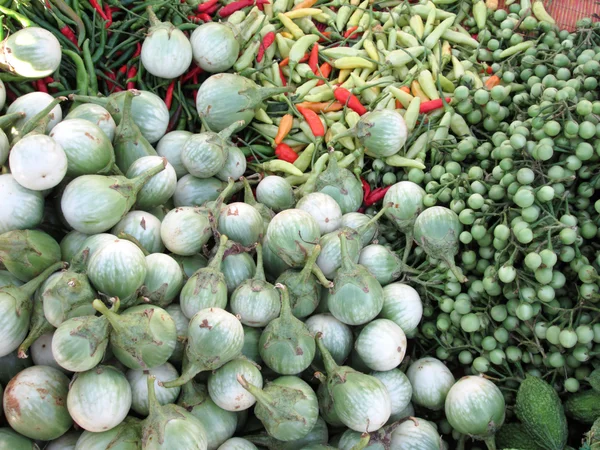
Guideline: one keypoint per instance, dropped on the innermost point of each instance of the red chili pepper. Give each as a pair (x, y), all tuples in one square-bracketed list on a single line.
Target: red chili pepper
[(398, 104), (228, 10), (285, 152), (366, 189), (261, 4), (138, 50), (489, 70), (48, 80), (376, 196), (193, 71), (315, 124), (110, 86), (213, 9), (282, 76), (40, 85), (313, 59), (108, 11), (265, 44), (346, 97), (432, 105), (131, 74), (203, 7), (98, 9), (204, 17), (174, 118), (169, 94), (326, 34), (69, 34), (349, 33)]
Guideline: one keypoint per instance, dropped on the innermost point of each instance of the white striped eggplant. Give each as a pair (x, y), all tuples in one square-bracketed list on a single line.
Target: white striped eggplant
[(287, 407), (399, 388), (170, 146), (361, 401), (235, 165), (142, 337), (144, 228), (171, 426), (99, 399), (303, 285), (118, 269), (79, 343), (138, 381), (381, 345), (318, 435), (129, 142), (88, 149), (292, 235), (207, 287), (218, 423), (355, 220), (335, 336), (255, 300), (286, 345), (241, 223), (204, 154), (215, 337), (215, 47), (275, 193), (237, 444), (342, 185), (383, 263), (185, 230), (32, 104), (431, 381), (159, 189), (324, 209), (68, 293), (27, 253), (238, 266), (402, 304), (148, 111), (251, 339), (35, 403), (32, 52), (192, 191), (41, 352), (356, 296), (96, 114), (16, 308), (22, 208), (224, 389), (181, 327), (164, 279), (71, 244), (166, 50), (95, 203), (125, 436), (12, 440), (226, 98)]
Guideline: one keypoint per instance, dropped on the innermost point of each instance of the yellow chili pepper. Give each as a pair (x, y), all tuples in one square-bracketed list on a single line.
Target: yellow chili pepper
[(262, 116), (290, 25), (343, 75), (416, 24), (304, 12), (403, 97), (371, 50), (354, 62)]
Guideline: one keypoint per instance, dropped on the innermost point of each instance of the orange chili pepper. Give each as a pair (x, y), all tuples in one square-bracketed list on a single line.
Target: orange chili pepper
[(313, 121), (492, 81), (321, 107), (416, 91), (324, 71), (305, 4), (285, 127), (405, 89)]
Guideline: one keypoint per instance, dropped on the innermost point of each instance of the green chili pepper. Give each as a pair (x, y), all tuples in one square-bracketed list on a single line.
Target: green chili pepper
[(23, 20), (82, 75), (99, 51), (87, 58)]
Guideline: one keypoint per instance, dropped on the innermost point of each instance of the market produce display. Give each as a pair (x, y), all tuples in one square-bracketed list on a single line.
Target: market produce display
[(298, 224)]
